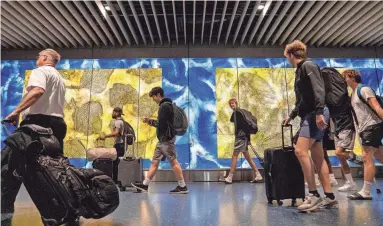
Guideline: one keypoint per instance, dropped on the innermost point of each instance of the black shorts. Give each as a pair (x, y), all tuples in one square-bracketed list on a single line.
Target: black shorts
[(372, 136)]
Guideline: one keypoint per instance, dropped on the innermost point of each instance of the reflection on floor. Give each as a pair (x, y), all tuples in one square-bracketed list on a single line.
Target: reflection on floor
[(216, 204)]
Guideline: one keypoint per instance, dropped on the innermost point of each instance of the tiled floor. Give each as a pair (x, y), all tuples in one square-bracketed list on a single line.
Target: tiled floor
[(216, 204)]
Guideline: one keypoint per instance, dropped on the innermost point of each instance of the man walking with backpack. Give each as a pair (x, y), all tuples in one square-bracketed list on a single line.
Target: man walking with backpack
[(165, 147), (242, 141), (368, 116), (310, 106), (339, 104)]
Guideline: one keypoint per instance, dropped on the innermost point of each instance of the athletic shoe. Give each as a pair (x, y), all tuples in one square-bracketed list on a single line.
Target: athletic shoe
[(180, 190), (348, 186), (328, 203), (140, 186), (258, 178), (311, 203), (228, 180), (333, 181)]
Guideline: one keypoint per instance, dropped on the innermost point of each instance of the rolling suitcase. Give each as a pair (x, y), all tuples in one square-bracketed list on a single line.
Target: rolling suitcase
[(283, 174), (104, 165), (129, 169)]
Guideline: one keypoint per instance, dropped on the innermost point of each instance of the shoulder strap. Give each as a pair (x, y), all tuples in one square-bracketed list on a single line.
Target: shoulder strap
[(358, 92)]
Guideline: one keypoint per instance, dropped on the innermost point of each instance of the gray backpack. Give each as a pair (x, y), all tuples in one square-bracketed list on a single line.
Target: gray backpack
[(180, 121)]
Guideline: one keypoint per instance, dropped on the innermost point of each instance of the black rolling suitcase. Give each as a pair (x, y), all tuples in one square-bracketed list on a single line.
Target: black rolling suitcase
[(283, 174), (104, 165)]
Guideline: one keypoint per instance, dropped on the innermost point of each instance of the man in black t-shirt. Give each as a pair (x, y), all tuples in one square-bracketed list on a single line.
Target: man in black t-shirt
[(242, 141)]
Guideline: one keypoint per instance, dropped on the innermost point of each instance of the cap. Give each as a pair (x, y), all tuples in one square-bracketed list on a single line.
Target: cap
[(118, 110)]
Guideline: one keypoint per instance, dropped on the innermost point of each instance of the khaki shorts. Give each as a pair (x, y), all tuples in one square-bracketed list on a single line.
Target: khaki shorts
[(345, 139), (164, 150), (241, 145)]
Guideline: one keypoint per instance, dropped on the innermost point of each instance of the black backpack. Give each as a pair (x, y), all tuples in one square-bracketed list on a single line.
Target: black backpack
[(250, 120), (336, 99), (128, 130)]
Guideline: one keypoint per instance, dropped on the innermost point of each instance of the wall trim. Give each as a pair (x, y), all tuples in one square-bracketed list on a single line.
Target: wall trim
[(192, 52)]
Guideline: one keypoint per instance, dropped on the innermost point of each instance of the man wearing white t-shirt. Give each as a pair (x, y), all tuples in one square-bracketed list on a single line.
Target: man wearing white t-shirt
[(368, 117), (43, 105)]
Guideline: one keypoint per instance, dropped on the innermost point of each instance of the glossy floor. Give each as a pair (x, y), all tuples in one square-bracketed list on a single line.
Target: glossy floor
[(216, 204)]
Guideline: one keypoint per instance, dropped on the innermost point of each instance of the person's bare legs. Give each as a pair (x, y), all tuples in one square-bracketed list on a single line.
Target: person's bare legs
[(301, 151), (250, 161), (343, 156), (317, 155), (234, 158), (369, 172), (153, 169), (144, 186), (258, 176), (177, 169)]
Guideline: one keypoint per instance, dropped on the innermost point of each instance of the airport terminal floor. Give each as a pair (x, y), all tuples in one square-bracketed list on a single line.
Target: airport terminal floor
[(216, 204)]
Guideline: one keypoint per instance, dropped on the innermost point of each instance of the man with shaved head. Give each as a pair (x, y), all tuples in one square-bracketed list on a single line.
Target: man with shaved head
[(43, 105)]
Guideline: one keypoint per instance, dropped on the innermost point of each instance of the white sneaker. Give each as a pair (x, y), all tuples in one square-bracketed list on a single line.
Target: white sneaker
[(311, 203), (348, 186), (228, 180), (328, 203), (333, 181), (258, 177)]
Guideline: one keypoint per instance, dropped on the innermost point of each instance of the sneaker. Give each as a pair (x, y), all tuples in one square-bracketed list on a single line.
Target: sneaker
[(333, 181), (311, 203), (258, 178), (328, 203), (228, 180), (348, 186), (140, 186), (180, 190)]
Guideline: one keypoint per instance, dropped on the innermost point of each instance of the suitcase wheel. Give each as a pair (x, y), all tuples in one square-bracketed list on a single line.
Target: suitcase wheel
[(280, 203), (378, 191), (270, 200), (122, 188)]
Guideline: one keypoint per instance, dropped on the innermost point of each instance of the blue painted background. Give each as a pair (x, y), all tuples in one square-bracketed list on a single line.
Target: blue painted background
[(190, 82)]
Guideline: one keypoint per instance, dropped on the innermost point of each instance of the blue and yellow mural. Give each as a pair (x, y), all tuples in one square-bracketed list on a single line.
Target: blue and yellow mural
[(201, 86)]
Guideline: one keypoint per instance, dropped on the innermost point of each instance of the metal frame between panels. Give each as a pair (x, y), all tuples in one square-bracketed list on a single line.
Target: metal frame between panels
[(74, 24)]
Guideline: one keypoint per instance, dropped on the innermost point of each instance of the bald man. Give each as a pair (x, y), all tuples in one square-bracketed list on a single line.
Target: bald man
[(43, 105)]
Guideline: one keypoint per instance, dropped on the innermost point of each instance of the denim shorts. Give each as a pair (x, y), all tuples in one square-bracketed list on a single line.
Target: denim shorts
[(309, 128)]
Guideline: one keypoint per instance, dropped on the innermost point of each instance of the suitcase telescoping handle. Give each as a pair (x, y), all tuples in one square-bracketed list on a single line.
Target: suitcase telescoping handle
[(283, 135)]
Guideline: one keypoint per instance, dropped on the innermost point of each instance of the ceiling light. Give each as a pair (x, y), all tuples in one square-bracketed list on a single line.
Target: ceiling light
[(261, 6), (107, 8)]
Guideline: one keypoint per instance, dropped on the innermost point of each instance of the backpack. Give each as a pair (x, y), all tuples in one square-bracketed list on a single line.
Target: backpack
[(180, 121), (250, 120), (378, 98), (128, 129), (96, 193), (336, 99)]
